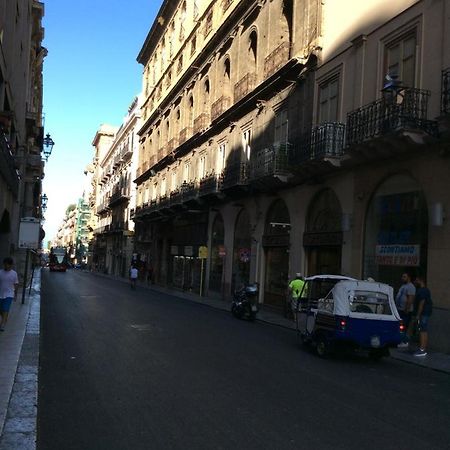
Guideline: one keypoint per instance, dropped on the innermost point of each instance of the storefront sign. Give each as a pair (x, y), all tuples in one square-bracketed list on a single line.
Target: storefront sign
[(203, 252), (322, 239), (397, 255), (222, 252)]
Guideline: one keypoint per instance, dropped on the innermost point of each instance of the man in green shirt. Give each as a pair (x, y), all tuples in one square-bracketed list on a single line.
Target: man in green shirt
[(295, 289)]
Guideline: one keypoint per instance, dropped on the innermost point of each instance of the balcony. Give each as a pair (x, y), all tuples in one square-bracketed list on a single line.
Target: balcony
[(175, 198), (116, 161), (201, 123), (164, 202), (189, 192), (406, 115), (219, 107), (235, 175), (269, 167), (324, 141), (7, 165), (277, 59), (102, 208), (185, 134), (445, 94), (244, 86), (126, 152), (118, 196), (172, 145), (209, 186)]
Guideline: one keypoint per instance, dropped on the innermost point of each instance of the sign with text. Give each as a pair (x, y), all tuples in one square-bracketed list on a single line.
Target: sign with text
[(203, 252), (397, 255), (29, 233)]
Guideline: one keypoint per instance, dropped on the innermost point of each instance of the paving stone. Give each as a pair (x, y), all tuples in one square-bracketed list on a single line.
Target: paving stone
[(20, 425), (18, 441)]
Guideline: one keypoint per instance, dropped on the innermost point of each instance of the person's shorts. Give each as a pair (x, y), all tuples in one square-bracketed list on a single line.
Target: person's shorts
[(5, 304), (423, 323)]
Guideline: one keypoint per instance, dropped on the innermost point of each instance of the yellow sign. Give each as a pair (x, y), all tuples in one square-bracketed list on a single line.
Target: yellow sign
[(203, 252)]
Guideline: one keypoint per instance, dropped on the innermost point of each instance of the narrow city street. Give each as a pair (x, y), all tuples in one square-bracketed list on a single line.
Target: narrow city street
[(123, 369)]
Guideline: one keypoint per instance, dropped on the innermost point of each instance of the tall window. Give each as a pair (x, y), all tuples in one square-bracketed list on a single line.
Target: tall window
[(221, 155), (252, 49), (187, 172), (164, 187), (174, 180), (196, 11), (202, 167), (328, 101), (246, 141), (281, 127), (400, 59)]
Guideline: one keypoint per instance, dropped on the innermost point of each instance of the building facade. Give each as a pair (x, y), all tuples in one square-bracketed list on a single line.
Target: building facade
[(295, 136), (21, 125), (115, 171)]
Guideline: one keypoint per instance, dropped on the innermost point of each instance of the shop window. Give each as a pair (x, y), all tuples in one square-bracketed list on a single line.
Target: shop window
[(217, 254), (241, 251), (396, 231), (400, 59), (328, 101)]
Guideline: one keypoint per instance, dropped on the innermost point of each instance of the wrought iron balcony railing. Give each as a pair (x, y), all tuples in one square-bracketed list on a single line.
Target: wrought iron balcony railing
[(209, 185), (445, 93), (383, 116), (270, 162), (126, 152), (201, 123), (326, 140), (277, 59), (244, 86), (164, 202), (235, 174), (175, 197), (189, 191), (219, 107)]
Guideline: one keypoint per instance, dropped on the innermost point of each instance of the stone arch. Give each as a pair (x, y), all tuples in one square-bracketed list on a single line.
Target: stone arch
[(323, 237), (276, 244), (396, 230)]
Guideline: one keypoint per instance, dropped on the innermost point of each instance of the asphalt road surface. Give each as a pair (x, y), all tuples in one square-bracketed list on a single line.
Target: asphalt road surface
[(123, 369)]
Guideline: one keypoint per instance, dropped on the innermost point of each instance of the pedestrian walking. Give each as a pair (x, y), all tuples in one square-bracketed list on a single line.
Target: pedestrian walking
[(405, 304), (134, 273), (423, 308), (295, 289), (9, 283)]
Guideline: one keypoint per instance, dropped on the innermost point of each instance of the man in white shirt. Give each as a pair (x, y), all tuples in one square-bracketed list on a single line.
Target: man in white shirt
[(9, 282), (133, 276)]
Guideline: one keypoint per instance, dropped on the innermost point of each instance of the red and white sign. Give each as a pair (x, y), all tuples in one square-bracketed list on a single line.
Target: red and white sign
[(397, 255)]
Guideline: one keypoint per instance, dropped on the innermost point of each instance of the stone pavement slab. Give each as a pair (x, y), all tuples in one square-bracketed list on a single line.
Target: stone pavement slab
[(18, 399)]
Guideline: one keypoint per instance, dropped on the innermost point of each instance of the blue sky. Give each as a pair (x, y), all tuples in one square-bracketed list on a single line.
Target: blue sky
[(90, 77)]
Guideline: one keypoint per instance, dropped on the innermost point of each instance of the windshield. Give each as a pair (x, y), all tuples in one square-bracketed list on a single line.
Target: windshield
[(368, 302)]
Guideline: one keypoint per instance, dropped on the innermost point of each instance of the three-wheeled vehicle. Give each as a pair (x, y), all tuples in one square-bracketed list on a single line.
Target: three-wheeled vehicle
[(354, 314)]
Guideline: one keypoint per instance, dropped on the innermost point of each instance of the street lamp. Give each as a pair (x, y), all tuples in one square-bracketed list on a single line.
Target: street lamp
[(44, 200), (48, 144)]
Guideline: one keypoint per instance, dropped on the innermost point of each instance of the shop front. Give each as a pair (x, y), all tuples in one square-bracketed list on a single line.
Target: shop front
[(323, 237), (186, 263), (396, 231), (276, 241), (217, 257), (241, 251)]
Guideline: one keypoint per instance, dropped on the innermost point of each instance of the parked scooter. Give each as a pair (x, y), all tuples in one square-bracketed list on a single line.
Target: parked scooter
[(245, 302)]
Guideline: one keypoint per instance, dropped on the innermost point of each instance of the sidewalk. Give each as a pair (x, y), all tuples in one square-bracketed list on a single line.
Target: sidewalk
[(434, 360), (19, 354)]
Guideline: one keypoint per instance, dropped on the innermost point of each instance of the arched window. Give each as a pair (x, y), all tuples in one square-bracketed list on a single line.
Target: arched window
[(191, 111), (226, 79), (253, 49)]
